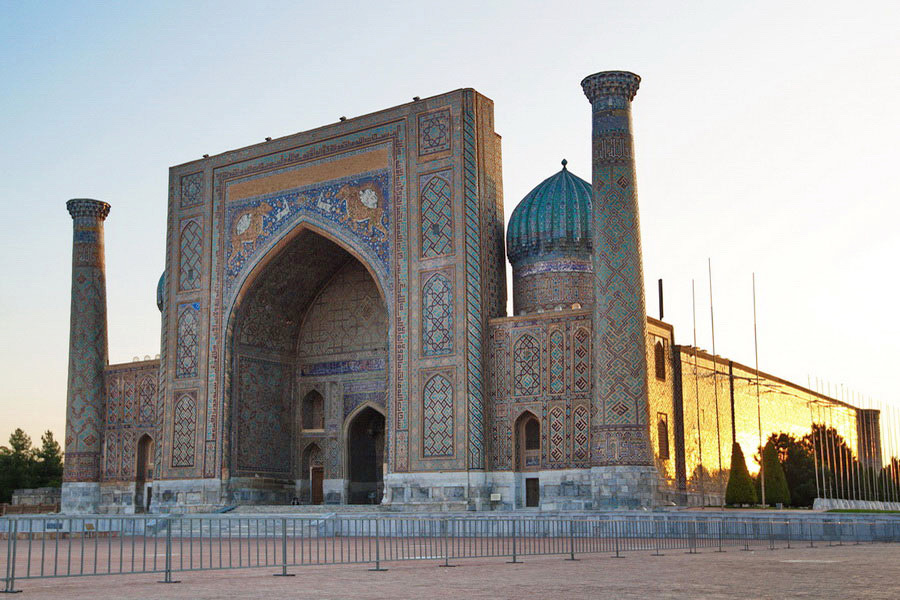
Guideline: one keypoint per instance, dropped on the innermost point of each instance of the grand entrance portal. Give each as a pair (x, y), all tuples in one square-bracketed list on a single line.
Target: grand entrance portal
[(309, 366)]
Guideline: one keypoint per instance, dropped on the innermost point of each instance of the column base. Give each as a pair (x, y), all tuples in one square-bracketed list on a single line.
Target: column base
[(80, 497)]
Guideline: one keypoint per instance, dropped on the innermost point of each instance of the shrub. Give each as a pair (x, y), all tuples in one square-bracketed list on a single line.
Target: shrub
[(740, 485), (773, 475)]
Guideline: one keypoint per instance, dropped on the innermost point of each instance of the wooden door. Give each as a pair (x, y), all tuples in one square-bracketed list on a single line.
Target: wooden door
[(532, 492), (316, 478)]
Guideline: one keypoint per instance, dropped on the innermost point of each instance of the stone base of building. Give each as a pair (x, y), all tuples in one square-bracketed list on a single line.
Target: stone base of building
[(840, 504), (624, 487), (79, 497)]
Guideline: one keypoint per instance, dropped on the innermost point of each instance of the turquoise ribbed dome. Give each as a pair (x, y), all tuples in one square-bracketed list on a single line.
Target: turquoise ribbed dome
[(161, 291), (554, 217)]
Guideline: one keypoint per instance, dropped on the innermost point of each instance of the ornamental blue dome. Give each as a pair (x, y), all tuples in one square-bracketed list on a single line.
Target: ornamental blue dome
[(161, 291), (555, 217)]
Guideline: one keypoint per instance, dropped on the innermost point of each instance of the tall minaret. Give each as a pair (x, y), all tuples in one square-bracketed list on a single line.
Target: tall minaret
[(623, 472), (88, 357)]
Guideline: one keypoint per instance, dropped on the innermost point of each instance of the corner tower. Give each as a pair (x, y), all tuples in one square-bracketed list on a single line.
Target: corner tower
[(624, 474), (88, 352)]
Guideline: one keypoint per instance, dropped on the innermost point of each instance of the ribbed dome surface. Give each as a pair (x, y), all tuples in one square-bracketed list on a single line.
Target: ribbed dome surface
[(161, 291), (555, 216)]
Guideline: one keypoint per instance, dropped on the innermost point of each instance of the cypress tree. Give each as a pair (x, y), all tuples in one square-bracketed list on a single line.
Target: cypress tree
[(740, 485), (776, 483)]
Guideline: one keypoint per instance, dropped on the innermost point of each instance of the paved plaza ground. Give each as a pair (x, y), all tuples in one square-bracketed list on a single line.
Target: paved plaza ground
[(869, 571)]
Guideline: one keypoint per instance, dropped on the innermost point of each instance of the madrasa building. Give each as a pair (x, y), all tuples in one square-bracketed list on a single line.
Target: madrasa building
[(335, 330)]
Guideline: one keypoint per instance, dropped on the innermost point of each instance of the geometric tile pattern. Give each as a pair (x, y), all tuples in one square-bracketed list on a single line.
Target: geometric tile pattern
[(557, 424), (557, 363), (263, 418), (437, 316), (527, 366), (475, 322), (147, 399), (185, 420), (191, 190), (437, 218), (87, 343), (434, 132), (191, 246), (582, 360), (619, 323), (187, 349), (131, 393), (437, 411), (128, 401), (581, 450)]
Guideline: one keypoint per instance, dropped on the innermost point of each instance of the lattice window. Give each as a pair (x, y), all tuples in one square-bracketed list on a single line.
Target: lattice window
[(146, 394), (437, 218), (557, 363), (191, 250), (557, 423), (527, 366), (582, 360), (662, 435), (185, 418), (659, 357), (437, 316), (581, 438), (437, 411), (188, 348)]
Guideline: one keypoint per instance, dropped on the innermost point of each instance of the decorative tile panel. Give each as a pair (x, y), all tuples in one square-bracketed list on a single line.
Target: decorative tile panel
[(188, 348), (437, 411), (527, 366), (185, 425), (581, 434), (581, 360), (191, 190), (557, 363), (191, 246), (437, 215), (434, 132), (437, 315), (557, 435)]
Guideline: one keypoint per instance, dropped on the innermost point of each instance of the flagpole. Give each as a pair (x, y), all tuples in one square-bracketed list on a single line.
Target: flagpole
[(762, 478)]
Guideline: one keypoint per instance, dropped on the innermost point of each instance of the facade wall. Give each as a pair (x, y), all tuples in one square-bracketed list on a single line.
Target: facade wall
[(434, 167)]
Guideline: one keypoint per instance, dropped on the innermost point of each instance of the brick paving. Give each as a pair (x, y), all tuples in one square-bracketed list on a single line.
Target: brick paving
[(849, 571)]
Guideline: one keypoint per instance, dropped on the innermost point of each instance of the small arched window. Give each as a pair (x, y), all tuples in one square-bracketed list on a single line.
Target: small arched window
[(313, 411), (662, 433), (659, 356), (532, 434)]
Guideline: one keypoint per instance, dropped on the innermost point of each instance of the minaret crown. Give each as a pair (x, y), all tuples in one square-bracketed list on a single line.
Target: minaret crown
[(86, 207), (616, 84)]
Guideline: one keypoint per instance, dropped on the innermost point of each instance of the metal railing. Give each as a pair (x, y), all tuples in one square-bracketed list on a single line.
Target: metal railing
[(63, 546)]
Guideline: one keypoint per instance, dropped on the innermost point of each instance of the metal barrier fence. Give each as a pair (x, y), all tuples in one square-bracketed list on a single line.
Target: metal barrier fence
[(62, 546)]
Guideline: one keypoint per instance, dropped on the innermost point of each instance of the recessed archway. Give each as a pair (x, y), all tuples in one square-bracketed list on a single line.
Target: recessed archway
[(364, 451), (310, 323)]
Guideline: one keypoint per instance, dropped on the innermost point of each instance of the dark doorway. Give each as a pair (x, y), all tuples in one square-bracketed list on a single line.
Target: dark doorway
[(528, 443), (313, 469), (316, 479), (143, 474), (532, 491), (365, 453)]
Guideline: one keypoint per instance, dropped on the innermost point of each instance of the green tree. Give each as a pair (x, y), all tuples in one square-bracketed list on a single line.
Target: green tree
[(16, 464), (773, 475), (740, 486), (49, 462), (798, 462)]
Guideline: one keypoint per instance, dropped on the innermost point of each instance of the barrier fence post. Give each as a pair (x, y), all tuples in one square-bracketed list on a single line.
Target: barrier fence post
[(571, 541), (656, 538), (809, 533), (11, 535), (377, 547), (446, 525), (746, 547), (513, 561), (721, 533), (616, 532), (771, 535), (692, 538), (167, 578), (284, 560)]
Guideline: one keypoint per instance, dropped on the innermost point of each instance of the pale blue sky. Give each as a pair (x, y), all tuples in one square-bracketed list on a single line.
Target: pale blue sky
[(766, 138)]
